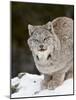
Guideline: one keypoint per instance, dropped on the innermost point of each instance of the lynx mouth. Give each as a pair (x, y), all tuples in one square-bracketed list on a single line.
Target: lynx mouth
[(42, 50)]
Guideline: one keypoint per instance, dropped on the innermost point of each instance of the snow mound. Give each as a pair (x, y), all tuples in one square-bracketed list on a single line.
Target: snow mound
[(29, 86)]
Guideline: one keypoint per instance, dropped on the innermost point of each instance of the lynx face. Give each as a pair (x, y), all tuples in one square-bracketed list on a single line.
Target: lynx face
[(41, 41)]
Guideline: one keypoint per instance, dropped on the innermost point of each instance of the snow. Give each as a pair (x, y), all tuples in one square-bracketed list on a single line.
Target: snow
[(15, 81), (29, 86)]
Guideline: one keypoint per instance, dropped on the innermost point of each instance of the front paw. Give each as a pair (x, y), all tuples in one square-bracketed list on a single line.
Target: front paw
[(44, 85), (53, 84)]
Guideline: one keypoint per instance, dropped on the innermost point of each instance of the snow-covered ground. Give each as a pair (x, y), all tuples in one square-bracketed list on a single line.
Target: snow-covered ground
[(29, 86)]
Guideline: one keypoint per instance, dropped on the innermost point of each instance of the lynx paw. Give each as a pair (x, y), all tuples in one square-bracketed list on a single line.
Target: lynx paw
[(53, 84)]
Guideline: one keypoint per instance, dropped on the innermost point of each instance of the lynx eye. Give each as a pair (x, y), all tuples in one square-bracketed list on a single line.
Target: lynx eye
[(36, 40), (47, 38)]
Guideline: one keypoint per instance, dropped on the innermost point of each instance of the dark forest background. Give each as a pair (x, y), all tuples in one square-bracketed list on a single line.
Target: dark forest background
[(23, 14)]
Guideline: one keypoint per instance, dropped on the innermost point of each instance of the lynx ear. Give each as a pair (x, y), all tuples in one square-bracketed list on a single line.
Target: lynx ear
[(49, 26), (31, 29)]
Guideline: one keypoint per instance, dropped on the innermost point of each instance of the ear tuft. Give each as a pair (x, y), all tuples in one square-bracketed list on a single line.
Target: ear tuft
[(49, 25)]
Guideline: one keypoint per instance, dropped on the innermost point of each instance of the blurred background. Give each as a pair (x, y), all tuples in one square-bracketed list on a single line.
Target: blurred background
[(23, 14)]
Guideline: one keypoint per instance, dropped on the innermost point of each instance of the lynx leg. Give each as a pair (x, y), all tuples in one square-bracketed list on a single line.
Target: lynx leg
[(44, 83), (57, 80), (69, 74)]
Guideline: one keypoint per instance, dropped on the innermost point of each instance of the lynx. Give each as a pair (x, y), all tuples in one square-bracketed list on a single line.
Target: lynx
[(52, 49)]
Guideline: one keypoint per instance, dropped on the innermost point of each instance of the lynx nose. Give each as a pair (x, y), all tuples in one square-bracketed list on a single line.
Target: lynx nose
[(41, 46)]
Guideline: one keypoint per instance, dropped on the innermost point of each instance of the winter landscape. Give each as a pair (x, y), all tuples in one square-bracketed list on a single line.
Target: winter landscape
[(28, 85)]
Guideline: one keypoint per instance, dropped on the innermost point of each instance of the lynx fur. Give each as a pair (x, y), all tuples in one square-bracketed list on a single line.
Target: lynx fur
[(52, 49)]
